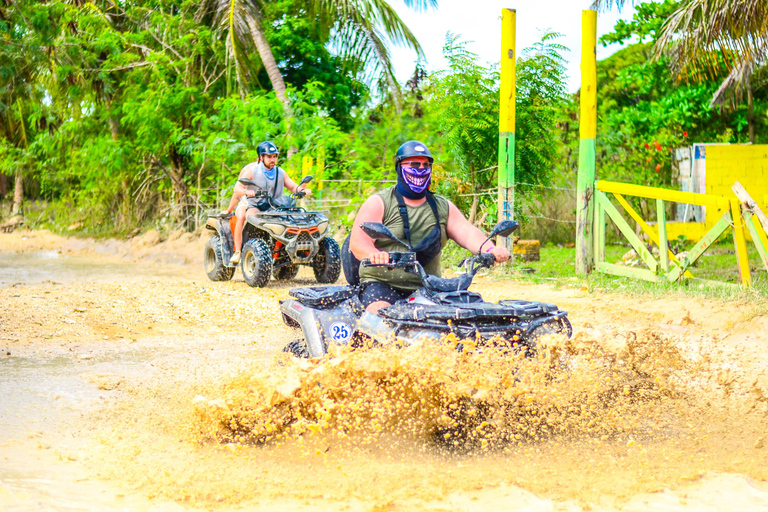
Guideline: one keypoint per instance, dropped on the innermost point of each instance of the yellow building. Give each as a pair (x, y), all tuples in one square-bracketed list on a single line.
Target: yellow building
[(712, 169)]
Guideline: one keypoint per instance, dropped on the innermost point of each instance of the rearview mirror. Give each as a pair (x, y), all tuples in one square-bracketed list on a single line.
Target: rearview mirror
[(504, 228), (246, 181), (379, 231), (306, 179)]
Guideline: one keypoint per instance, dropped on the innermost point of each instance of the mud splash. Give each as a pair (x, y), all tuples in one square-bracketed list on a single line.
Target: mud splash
[(585, 420), (433, 396)]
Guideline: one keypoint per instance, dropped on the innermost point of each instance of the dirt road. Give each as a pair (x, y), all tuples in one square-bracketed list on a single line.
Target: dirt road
[(126, 375)]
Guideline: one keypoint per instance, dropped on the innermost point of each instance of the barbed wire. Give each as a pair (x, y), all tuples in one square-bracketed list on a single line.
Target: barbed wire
[(357, 181), (545, 186), (564, 221)]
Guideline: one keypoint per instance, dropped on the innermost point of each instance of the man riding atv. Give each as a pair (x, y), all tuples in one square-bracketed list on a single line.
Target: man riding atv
[(268, 178), (414, 214)]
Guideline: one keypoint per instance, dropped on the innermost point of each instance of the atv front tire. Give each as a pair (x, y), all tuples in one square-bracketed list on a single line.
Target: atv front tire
[(298, 348), (285, 273), (213, 261), (327, 263), (256, 262)]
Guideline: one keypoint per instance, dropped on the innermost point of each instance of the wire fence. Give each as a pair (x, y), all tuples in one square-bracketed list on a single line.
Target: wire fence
[(344, 194)]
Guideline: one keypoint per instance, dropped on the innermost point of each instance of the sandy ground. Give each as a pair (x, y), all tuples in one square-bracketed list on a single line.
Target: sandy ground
[(110, 348)]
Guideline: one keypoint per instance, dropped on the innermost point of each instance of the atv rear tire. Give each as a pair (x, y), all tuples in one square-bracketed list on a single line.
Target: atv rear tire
[(561, 326), (256, 263), (285, 273), (327, 263), (213, 261), (298, 348)]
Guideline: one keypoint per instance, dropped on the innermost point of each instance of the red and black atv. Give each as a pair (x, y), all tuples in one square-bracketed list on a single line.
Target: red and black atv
[(275, 242)]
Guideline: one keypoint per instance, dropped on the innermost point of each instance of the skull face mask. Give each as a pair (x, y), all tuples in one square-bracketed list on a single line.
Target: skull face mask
[(413, 182)]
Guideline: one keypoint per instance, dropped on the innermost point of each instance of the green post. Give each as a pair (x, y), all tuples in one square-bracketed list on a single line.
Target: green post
[(585, 185), (507, 119)]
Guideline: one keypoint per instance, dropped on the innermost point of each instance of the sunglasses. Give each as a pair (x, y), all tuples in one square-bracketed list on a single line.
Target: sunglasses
[(418, 165)]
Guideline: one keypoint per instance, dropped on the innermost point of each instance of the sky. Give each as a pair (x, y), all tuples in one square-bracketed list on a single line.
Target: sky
[(479, 21)]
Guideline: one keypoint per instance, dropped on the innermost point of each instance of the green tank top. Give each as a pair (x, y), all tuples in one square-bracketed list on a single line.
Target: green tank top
[(422, 220)]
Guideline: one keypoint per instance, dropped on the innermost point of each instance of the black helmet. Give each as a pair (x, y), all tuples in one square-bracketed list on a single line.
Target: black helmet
[(412, 148), (266, 148)]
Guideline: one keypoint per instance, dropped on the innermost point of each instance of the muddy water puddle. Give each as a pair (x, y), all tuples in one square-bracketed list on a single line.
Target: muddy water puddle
[(51, 267), (57, 405)]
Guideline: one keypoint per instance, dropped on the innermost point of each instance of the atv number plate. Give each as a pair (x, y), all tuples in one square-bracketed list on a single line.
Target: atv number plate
[(340, 331)]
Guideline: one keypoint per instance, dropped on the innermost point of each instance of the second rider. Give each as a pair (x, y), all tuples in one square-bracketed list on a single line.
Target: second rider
[(269, 178)]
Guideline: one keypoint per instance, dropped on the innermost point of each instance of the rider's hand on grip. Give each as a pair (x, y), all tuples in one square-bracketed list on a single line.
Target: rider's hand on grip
[(487, 259), (377, 259)]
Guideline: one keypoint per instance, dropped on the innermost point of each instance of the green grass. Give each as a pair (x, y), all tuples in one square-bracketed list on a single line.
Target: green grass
[(557, 266)]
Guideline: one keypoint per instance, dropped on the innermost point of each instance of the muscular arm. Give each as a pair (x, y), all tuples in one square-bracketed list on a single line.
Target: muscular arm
[(361, 244), (461, 231), (240, 189), (293, 187)]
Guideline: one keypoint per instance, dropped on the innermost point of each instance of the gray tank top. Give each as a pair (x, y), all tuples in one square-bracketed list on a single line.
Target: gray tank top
[(267, 184)]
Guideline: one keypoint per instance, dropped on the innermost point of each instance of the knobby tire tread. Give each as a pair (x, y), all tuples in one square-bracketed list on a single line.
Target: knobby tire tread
[(263, 257), (220, 271), (327, 263)]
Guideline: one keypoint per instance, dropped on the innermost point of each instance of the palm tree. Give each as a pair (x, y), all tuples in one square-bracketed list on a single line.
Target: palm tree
[(360, 30), (703, 37)]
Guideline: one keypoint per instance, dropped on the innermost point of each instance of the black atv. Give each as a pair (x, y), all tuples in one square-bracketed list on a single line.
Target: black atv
[(275, 242), (334, 314)]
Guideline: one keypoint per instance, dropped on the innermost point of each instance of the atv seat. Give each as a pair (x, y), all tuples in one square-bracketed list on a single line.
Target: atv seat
[(478, 311), (323, 296)]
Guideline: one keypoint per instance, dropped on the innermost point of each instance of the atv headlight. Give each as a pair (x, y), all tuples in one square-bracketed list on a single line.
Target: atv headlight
[(277, 229), (322, 227)]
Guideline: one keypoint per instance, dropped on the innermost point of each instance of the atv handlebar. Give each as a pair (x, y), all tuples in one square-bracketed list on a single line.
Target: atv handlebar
[(408, 262), (404, 260)]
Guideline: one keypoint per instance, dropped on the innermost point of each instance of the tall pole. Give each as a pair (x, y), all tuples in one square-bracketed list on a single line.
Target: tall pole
[(585, 185), (507, 119)]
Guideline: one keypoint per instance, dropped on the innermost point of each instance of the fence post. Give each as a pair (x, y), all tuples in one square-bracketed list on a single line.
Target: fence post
[(507, 100), (661, 219), (320, 172), (740, 243), (588, 133)]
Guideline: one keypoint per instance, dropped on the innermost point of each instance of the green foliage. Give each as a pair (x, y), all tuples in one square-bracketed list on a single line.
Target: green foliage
[(464, 100), (646, 23), (541, 95), (299, 45)]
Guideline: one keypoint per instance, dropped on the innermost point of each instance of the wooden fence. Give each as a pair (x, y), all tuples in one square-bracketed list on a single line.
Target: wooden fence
[(669, 266)]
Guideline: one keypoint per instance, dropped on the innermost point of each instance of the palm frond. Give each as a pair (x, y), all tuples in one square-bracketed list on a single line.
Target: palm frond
[(748, 74), (604, 5), (706, 37)]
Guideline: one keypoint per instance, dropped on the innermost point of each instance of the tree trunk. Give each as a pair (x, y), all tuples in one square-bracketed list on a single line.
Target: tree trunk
[(114, 127), (180, 189), (18, 193), (268, 59), (394, 89), (473, 209), (751, 114), (5, 185), (475, 197)]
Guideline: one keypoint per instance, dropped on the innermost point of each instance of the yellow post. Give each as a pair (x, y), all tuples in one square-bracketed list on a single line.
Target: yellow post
[(507, 118), (740, 241), (320, 172), (588, 133), (306, 165)]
